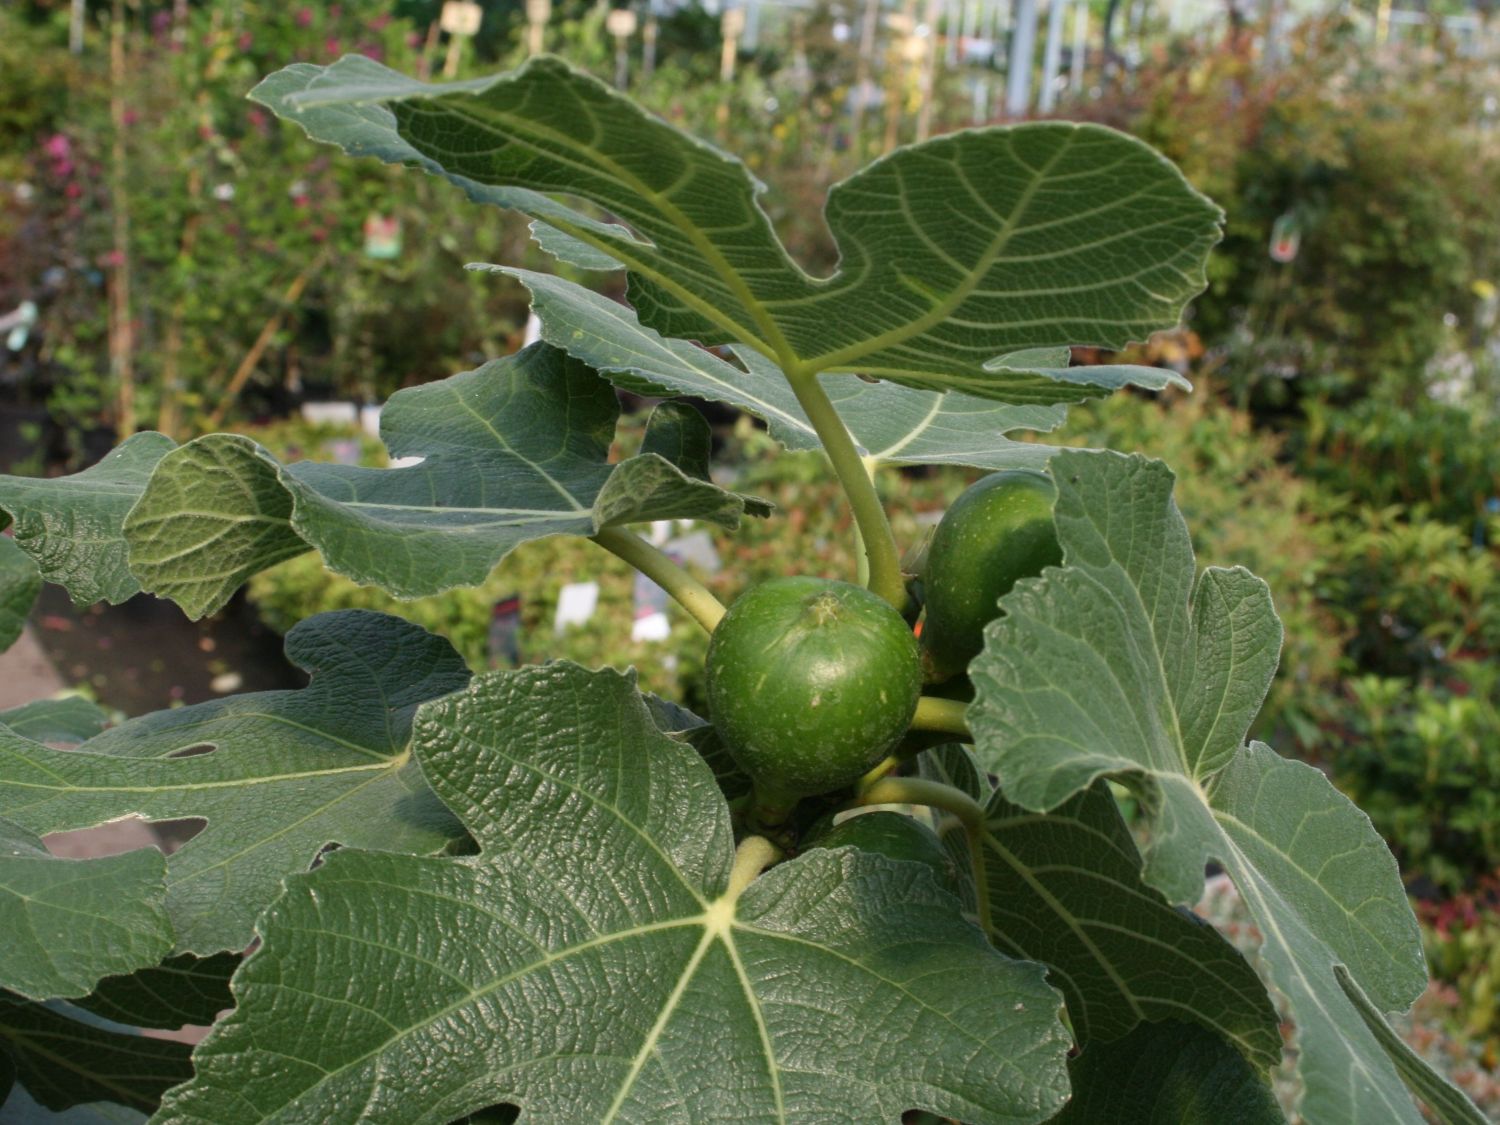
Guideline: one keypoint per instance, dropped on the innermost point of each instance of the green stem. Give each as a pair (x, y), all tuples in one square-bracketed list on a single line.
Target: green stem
[(869, 515), (966, 810), (946, 716), (691, 594)]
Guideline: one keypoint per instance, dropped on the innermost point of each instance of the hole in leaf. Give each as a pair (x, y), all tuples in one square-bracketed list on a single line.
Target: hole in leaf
[(490, 1115), (127, 834), (193, 751), (174, 833)]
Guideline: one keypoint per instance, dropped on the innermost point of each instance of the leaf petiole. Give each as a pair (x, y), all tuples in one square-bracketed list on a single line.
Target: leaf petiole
[(877, 540), (964, 808), (753, 856), (689, 593), (945, 716)]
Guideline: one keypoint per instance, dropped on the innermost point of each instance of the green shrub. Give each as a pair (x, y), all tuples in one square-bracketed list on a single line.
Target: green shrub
[(1422, 756), (1390, 173), (1380, 453), (1461, 937)]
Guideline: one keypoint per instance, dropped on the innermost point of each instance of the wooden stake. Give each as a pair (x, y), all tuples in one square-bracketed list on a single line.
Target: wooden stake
[(121, 324), (263, 340)]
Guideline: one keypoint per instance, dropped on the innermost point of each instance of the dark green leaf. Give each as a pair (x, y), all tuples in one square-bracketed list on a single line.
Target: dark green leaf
[(69, 922), (597, 962), (1167, 1074), (1065, 889), (64, 1062), (290, 772), (185, 989)]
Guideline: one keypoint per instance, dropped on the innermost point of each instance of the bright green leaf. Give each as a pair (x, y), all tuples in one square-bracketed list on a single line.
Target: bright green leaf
[(290, 772), (71, 525), (595, 963), (953, 253), (516, 450), (1167, 1074), (1119, 664), (69, 922)]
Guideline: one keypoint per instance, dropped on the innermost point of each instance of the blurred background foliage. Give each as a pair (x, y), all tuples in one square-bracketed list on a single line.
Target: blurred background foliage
[(1342, 440)]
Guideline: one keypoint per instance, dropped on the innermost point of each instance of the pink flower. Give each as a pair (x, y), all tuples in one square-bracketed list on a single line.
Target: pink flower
[(245, 40), (131, 117), (304, 17), (58, 147), (331, 46)]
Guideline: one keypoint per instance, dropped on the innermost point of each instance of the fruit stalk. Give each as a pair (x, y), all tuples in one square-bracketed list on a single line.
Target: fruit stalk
[(966, 810), (689, 593), (945, 716)]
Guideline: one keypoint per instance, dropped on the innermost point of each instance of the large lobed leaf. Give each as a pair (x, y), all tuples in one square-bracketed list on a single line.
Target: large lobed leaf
[(515, 450), (288, 773), (596, 962), (1120, 664), (954, 253)]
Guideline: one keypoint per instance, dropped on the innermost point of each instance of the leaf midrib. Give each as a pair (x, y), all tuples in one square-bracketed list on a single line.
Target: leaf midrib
[(771, 340)]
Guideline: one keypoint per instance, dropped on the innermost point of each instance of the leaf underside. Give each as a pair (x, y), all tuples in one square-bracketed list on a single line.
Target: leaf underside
[(515, 450), (1120, 664), (953, 254)]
